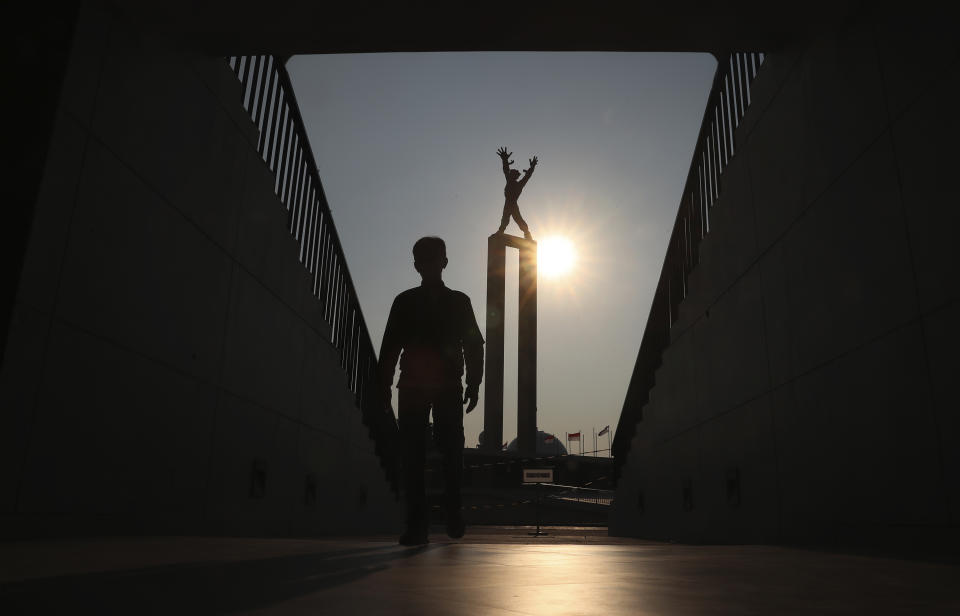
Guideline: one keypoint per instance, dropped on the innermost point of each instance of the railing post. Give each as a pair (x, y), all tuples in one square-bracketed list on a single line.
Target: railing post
[(267, 96), (716, 145)]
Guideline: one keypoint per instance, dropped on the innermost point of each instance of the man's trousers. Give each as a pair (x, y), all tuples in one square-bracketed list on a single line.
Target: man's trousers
[(414, 409), (512, 209)]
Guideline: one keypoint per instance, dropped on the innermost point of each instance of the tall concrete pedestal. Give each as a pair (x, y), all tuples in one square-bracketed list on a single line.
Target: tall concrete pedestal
[(526, 344)]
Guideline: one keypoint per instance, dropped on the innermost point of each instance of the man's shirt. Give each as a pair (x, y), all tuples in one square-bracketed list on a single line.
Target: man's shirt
[(512, 191), (437, 332)]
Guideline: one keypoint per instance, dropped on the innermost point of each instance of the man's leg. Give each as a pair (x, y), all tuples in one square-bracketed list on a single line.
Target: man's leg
[(448, 426), (521, 223), (412, 418), (504, 220)]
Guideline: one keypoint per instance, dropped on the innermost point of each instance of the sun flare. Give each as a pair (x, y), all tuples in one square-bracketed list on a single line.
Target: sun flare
[(556, 256)]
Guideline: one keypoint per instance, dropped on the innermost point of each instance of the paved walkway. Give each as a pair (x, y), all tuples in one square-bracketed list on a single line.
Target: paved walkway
[(494, 572)]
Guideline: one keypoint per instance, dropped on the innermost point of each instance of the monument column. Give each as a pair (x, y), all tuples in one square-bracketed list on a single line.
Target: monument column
[(493, 381), (527, 350), (526, 344)]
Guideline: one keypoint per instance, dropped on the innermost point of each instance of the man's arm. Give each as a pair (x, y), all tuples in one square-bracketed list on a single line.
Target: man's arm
[(390, 349), (505, 159), (528, 173), (472, 342)]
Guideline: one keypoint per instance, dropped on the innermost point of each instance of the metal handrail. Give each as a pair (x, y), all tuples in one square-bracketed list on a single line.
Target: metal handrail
[(727, 103), (600, 497), (267, 95)]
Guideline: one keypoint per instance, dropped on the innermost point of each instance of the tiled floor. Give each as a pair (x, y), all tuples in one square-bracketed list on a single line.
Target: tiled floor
[(572, 571)]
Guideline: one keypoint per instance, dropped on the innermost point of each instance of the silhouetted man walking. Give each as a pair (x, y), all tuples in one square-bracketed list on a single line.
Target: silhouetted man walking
[(437, 331), (512, 190)]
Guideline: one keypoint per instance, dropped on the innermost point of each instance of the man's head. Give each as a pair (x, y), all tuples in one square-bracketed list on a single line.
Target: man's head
[(514, 174), (430, 257)]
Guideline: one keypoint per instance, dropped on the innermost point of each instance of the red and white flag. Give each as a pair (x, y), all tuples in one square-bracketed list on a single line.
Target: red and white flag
[(604, 431), (573, 436)]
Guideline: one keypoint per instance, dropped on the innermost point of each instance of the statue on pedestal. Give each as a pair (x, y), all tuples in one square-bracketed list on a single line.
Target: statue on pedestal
[(512, 190)]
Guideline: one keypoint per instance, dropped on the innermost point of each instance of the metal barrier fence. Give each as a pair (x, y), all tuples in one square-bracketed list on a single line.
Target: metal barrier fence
[(268, 97), (580, 494), (728, 101)]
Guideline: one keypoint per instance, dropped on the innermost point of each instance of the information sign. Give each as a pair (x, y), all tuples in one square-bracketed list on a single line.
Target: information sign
[(538, 475)]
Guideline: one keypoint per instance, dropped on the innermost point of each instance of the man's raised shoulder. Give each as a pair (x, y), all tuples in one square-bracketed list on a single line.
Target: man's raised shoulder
[(408, 295), (459, 295)]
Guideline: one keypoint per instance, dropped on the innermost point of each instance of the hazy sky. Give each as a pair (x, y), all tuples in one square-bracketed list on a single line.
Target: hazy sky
[(406, 147)]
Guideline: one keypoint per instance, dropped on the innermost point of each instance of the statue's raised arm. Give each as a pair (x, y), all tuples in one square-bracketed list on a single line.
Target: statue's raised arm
[(505, 159), (528, 171)]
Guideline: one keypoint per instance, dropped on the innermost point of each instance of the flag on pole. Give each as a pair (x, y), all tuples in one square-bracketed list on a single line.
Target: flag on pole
[(573, 436), (604, 431)]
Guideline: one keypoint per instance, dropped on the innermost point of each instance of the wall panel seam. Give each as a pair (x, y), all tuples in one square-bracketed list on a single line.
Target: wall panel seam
[(846, 352), (146, 184)]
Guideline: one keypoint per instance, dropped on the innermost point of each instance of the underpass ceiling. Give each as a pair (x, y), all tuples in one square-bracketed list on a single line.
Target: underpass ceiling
[(289, 27)]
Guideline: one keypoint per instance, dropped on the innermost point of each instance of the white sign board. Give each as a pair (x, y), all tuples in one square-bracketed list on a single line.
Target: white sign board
[(538, 475)]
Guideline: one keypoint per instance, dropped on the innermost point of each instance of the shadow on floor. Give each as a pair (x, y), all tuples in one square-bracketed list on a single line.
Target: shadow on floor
[(209, 587)]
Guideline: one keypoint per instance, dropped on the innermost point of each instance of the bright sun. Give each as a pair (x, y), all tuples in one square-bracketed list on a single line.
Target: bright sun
[(555, 256)]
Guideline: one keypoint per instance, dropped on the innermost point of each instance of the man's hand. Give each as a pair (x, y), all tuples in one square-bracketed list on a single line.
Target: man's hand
[(504, 155), (470, 395), (533, 162)]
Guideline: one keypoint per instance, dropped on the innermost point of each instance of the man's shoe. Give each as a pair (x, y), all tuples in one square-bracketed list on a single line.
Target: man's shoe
[(414, 537), (456, 527)]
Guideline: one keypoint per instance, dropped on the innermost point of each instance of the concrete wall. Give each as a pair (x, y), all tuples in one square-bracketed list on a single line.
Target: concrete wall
[(806, 393), (165, 353)]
